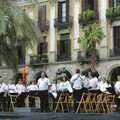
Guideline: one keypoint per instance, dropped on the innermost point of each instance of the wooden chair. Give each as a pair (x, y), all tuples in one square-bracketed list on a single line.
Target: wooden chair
[(93, 102), (110, 101), (13, 98), (84, 102), (62, 103)]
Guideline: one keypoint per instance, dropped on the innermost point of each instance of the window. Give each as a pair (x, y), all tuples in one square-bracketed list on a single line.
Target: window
[(88, 4), (116, 40), (63, 11), (21, 54), (64, 47), (42, 47), (115, 3), (42, 14)]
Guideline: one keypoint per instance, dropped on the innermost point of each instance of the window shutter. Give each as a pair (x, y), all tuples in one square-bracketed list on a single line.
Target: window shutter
[(83, 5), (58, 49), (59, 11), (96, 8), (67, 10), (68, 48)]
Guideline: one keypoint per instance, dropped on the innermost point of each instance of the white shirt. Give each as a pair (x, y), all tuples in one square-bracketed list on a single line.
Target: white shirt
[(11, 88), (53, 90), (93, 84), (103, 86), (20, 88), (117, 87), (32, 87), (43, 84), (3, 87), (77, 81)]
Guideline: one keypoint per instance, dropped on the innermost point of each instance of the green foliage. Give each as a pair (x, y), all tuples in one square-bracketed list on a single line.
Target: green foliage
[(15, 28), (92, 34), (113, 13), (87, 16)]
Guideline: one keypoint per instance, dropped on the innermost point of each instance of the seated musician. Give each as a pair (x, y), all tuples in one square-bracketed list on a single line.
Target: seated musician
[(93, 83), (21, 90), (32, 89), (117, 90), (4, 95), (104, 86)]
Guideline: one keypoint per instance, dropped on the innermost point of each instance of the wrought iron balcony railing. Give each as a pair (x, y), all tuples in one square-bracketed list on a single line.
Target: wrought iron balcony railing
[(63, 22), (113, 13), (88, 17), (43, 25), (114, 52), (37, 59)]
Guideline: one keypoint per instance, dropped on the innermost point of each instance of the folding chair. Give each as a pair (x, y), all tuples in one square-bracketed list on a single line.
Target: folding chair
[(110, 101), (13, 98), (85, 102), (62, 103)]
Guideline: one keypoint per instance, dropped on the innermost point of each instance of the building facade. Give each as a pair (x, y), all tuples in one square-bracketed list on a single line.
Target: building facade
[(61, 23)]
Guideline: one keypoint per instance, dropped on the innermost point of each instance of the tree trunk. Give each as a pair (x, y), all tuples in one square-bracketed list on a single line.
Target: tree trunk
[(93, 57)]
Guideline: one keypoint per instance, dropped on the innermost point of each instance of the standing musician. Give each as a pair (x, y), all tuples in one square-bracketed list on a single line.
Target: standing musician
[(43, 87), (77, 83)]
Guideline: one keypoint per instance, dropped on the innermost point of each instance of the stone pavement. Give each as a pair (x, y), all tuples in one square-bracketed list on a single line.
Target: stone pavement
[(58, 116)]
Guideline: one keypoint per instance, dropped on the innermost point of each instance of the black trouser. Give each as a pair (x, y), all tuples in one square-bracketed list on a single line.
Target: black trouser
[(32, 98), (21, 100), (118, 104), (44, 103), (77, 94)]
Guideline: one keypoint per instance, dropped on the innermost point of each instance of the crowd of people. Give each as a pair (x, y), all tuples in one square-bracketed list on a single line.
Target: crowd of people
[(44, 88)]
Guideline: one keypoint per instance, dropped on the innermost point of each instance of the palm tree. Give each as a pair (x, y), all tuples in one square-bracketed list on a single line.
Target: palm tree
[(15, 27), (93, 35)]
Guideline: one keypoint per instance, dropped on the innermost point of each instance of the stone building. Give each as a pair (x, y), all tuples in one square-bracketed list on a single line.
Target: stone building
[(61, 26)]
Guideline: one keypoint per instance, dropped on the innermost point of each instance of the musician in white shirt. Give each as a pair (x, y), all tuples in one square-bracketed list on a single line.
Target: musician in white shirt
[(117, 90), (93, 83), (32, 91), (43, 87), (77, 83), (21, 90)]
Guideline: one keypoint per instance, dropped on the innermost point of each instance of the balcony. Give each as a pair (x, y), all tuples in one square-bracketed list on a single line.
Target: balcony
[(38, 59), (63, 57), (113, 13), (114, 52), (60, 24), (43, 25), (87, 17), (85, 57)]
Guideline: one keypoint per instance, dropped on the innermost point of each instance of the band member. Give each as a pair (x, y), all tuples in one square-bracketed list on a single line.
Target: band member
[(21, 90), (77, 83), (32, 89), (93, 83), (117, 90), (43, 87)]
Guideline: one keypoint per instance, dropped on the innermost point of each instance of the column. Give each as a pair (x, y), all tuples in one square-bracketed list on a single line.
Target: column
[(103, 21), (76, 28), (52, 33)]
